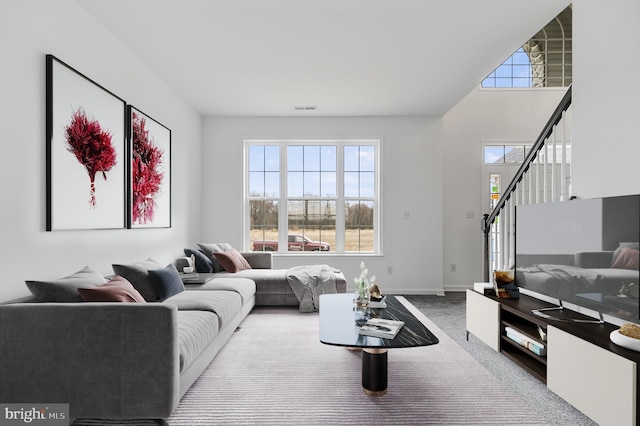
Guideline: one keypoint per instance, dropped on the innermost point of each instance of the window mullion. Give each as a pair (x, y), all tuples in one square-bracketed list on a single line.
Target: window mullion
[(340, 202), (283, 205)]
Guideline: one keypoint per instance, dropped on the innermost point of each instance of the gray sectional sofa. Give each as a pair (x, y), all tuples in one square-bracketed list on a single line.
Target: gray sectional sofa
[(272, 285), (128, 360)]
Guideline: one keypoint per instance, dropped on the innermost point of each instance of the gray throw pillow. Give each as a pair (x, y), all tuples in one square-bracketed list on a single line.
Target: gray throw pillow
[(138, 275), (211, 248), (203, 263), (166, 281), (65, 289)]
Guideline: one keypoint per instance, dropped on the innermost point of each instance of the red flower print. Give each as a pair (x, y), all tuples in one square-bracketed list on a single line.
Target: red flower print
[(92, 148), (146, 170)]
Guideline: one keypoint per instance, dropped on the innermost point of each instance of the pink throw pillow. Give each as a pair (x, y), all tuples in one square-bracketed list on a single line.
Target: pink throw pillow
[(627, 259), (116, 290), (232, 261)]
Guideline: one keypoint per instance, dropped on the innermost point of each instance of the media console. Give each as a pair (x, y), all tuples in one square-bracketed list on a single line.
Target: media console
[(581, 364)]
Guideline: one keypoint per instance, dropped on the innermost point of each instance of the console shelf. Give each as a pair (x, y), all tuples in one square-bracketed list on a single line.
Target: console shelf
[(579, 356)]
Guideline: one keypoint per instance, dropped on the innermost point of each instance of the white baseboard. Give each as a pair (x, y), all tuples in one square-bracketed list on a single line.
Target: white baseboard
[(414, 292), (459, 287)]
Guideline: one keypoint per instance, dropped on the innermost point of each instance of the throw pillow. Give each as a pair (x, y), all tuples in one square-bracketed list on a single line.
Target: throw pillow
[(628, 258), (210, 249), (166, 281), (232, 260), (621, 247), (116, 290), (65, 289), (203, 263), (138, 275)]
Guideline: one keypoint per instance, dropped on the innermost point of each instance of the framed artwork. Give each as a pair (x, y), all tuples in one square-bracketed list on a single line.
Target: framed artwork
[(150, 172), (86, 152)]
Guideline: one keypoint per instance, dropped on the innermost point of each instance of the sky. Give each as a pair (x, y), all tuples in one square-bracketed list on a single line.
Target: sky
[(312, 170)]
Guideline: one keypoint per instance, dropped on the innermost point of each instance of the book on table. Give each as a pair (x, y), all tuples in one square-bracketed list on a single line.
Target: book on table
[(378, 327)]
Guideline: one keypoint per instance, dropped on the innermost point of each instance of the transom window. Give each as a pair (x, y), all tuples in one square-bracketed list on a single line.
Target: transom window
[(500, 154), (545, 60), (319, 196)]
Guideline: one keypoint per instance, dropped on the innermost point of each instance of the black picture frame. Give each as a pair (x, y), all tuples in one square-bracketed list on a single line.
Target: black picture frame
[(85, 184), (149, 177)]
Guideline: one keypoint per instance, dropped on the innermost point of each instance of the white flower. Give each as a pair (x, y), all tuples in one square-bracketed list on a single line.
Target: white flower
[(362, 282)]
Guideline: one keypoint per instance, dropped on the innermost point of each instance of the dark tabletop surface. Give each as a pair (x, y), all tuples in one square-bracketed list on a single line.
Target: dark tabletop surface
[(338, 326)]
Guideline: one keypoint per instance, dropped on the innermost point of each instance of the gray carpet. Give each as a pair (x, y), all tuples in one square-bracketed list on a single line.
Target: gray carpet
[(274, 370)]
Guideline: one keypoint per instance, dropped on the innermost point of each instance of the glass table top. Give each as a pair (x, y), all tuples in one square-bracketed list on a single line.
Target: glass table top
[(338, 324)]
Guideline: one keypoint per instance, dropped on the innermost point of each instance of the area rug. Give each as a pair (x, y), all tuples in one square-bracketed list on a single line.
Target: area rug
[(274, 370)]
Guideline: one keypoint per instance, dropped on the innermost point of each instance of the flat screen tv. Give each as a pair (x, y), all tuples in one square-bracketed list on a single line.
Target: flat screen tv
[(583, 252)]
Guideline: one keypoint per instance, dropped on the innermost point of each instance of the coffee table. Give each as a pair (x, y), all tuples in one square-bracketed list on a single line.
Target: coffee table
[(338, 328)]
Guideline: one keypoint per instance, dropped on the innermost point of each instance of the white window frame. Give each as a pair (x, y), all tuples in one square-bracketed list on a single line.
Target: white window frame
[(283, 198)]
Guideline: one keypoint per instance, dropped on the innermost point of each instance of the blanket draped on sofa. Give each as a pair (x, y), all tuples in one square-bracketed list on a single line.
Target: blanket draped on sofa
[(309, 282)]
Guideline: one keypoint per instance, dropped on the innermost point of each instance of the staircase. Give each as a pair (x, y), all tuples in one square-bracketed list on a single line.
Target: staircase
[(545, 176)]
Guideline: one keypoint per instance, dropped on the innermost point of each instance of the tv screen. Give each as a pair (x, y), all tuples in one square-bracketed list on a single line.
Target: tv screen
[(584, 252)]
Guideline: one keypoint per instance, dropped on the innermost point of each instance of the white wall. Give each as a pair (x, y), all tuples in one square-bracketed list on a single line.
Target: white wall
[(29, 29), (411, 181), (606, 94), (501, 116)]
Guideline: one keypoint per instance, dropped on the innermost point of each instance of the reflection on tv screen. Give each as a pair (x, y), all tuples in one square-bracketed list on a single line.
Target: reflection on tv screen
[(585, 252)]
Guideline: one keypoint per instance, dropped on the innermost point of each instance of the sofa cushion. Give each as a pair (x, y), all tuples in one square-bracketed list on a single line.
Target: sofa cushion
[(245, 287), (210, 248), (203, 265), (196, 330), (65, 289), (231, 260), (138, 275), (225, 304), (627, 258), (117, 289), (166, 281)]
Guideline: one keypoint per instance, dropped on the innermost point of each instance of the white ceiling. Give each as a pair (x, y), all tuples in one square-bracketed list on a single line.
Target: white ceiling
[(348, 57)]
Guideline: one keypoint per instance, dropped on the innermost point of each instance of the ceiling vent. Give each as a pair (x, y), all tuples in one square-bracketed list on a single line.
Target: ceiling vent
[(305, 107)]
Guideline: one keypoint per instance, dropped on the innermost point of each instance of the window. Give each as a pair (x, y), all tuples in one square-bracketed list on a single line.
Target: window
[(500, 154), (545, 60), (313, 196), (514, 72)]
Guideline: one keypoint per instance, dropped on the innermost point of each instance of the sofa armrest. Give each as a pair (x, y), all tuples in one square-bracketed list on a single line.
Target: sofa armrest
[(594, 259), (259, 259), (106, 360)]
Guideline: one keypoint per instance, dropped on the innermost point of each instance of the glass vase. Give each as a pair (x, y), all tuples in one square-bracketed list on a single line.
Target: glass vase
[(361, 298)]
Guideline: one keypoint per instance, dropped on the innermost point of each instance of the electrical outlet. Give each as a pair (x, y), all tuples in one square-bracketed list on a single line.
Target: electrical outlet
[(471, 214), (406, 215), (389, 270), (453, 267)]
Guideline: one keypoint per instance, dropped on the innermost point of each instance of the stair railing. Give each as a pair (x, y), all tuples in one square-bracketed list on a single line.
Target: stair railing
[(544, 176)]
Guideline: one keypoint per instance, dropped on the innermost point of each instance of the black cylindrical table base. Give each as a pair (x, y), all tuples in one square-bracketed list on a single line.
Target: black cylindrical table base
[(374, 371)]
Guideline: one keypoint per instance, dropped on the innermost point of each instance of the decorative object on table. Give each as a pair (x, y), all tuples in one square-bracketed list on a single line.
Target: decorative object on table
[(183, 262), (150, 173), (484, 288), (376, 298), (186, 265), (627, 336), (86, 152), (504, 285), (362, 286)]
